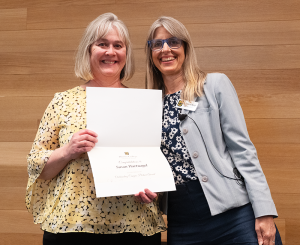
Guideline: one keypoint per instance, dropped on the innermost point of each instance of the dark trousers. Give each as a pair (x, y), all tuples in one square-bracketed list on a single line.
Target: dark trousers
[(190, 221), (80, 238)]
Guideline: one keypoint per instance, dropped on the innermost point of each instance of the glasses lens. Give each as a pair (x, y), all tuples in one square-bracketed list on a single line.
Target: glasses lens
[(156, 44), (174, 42)]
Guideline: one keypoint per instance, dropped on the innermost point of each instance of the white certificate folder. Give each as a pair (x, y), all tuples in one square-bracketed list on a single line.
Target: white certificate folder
[(127, 158)]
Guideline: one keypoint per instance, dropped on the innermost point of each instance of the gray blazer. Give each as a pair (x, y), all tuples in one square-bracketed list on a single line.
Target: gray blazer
[(226, 143)]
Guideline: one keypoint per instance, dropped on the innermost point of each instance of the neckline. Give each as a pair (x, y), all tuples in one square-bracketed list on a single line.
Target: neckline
[(175, 93), (81, 88), (84, 89)]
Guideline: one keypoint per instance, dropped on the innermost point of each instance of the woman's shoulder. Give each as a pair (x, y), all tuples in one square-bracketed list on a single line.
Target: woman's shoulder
[(76, 92), (216, 77), (217, 82)]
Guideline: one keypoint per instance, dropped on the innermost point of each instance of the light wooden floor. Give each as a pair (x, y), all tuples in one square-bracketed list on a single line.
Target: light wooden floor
[(255, 43)]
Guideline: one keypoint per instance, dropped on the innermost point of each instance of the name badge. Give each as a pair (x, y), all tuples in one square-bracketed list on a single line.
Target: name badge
[(190, 106)]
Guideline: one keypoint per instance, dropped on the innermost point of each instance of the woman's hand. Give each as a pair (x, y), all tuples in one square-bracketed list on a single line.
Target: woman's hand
[(265, 230), (81, 142), (145, 197)]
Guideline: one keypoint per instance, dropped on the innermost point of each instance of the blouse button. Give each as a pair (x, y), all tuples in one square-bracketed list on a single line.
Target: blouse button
[(204, 178), (195, 154), (185, 131)]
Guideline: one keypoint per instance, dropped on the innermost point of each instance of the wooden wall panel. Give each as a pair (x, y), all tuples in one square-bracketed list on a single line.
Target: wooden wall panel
[(13, 19), (43, 84), (47, 84), (207, 11), (13, 131), (40, 40), (146, 12), (49, 62), (261, 92), (279, 156), (13, 108), (37, 62), (289, 209), (221, 59), (14, 198), (232, 34), (22, 218), (265, 82), (210, 59), (280, 131), (292, 231), (20, 116), (271, 106), (18, 150), (249, 57), (21, 238), (137, 81), (53, 3), (245, 33), (65, 16), (246, 82), (283, 181), (261, 130), (205, 35), (164, 234), (14, 176)]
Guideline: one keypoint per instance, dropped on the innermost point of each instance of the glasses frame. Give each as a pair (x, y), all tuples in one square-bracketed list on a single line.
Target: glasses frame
[(163, 43)]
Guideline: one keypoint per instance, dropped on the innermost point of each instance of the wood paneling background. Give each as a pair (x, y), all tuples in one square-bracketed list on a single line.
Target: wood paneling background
[(256, 43)]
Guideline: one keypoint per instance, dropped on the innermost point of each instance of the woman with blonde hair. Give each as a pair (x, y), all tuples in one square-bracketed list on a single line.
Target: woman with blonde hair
[(222, 194), (61, 191)]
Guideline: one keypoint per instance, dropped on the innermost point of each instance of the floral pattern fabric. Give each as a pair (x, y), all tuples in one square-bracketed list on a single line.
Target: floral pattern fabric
[(172, 142), (68, 203)]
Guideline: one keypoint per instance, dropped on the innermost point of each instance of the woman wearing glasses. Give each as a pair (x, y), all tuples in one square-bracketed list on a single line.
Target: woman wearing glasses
[(222, 194)]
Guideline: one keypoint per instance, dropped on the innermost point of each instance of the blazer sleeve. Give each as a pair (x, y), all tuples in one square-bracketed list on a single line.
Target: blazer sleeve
[(240, 147)]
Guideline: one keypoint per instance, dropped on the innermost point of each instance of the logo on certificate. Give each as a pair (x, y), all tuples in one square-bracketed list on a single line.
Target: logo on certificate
[(126, 153)]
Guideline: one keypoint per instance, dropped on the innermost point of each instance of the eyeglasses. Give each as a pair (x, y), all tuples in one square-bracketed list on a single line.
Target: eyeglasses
[(158, 44)]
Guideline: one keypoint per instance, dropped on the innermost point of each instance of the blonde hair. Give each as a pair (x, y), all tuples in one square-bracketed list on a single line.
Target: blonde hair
[(193, 77), (97, 29)]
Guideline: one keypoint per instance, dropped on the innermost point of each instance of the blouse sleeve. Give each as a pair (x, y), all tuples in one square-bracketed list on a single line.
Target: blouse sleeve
[(241, 149), (46, 141)]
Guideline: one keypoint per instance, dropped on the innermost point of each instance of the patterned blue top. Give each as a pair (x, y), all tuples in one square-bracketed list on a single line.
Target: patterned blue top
[(172, 142)]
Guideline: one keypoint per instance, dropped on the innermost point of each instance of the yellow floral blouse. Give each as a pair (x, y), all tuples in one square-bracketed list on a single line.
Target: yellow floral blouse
[(68, 203)]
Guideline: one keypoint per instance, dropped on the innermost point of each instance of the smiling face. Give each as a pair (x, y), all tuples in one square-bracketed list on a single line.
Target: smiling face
[(108, 56), (168, 61)]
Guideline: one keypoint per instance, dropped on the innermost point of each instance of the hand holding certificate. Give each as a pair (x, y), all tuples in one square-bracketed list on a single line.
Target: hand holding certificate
[(127, 157)]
